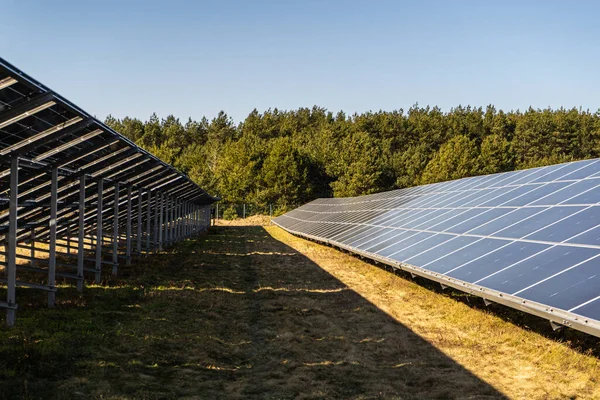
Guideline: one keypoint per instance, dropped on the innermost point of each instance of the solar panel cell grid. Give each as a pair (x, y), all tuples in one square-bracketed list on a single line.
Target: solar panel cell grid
[(527, 238)]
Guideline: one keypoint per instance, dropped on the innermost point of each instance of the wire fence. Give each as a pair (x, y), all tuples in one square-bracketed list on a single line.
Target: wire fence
[(232, 211)]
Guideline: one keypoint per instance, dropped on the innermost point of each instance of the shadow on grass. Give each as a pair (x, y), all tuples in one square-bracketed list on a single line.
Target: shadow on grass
[(233, 313)]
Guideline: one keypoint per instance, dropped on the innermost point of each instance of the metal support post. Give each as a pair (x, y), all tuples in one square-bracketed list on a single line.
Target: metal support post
[(168, 219), (183, 219), (52, 244), (11, 243), (179, 219), (32, 251), (165, 226), (161, 220), (195, 219), (115, 238), (244, 212), (69, 239), (81, 233), (148, 221), (128, 232), (188, 220), (156, 220), (172, 222), (175, 220), (99, 241), (139, 223)]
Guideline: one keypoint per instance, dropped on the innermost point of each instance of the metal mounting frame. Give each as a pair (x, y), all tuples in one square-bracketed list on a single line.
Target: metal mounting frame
[(62, 180)]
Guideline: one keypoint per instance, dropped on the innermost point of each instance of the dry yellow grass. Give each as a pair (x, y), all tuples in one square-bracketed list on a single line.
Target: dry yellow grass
[(230, 314), (518, 362), (254, 220), (251, 312)]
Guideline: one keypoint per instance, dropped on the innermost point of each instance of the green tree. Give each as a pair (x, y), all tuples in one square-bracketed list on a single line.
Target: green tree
[(495, 155), (284, 175), (456, 159)]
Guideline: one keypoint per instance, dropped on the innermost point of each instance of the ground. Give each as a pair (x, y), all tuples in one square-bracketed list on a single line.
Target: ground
[(254, 312)]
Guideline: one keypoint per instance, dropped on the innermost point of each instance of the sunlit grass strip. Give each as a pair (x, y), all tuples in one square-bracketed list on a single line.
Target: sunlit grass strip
[(518, 361)]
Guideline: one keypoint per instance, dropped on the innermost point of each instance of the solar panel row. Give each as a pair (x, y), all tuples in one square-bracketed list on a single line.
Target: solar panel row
[(529, 239), (65, 176)]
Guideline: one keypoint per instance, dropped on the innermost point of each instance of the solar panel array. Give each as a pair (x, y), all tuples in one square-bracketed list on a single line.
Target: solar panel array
[(528, 239), (65, 176)]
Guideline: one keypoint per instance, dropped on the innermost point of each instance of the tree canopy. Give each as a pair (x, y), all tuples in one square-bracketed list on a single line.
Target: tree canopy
[(291, 157)]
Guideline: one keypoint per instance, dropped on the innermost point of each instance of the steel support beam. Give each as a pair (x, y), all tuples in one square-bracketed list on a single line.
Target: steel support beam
[(160, 225), (32, 244), (52, 244), (81, 233), (99, 233), (11, 243), (167, 219), (157, 211), (128, 228), (172, 221), (148, 221), (139, 223), (27, 109), (115, 238), (31, 145)]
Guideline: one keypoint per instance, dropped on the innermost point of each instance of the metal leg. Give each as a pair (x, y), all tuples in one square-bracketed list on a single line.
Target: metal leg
[(177, 225), (115, 249), (99, 241), (139, 223), (178, 221), (157, 222), (148, 220), (128, 233), (69, 239), (52, 245), (81, 233), (11, 244), (32, 251), (171, 221), (187, 219), (160, 224), (167, 219)]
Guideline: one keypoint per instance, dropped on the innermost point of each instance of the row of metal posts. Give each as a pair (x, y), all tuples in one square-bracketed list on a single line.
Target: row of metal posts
[(174, 220), (243, 211)]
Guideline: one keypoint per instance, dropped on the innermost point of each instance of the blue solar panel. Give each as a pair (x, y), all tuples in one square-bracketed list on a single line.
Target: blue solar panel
[(529, 239)]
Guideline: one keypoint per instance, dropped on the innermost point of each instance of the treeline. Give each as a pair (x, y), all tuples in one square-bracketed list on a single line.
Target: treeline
[(291, 157)]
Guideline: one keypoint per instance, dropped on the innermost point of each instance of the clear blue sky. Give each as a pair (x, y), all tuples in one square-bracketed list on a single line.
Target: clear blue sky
[(194, 58)]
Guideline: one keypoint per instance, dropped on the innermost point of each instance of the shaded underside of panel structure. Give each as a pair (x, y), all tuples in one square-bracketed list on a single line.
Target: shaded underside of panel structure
[(529, 239), (45, 131), (66, 176)]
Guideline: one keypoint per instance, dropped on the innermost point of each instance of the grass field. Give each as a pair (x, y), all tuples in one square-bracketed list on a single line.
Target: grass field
[(253, 312)]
